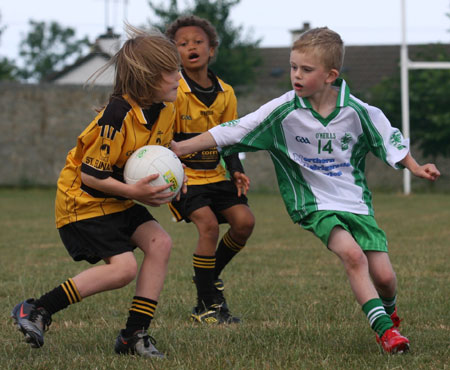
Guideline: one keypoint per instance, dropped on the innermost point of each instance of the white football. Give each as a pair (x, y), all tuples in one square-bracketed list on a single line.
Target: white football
[(151, 159)]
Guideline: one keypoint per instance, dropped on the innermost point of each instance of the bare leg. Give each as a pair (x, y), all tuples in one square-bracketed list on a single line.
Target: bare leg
[(208, 231), (156, 244), (355, 263), (118, 271), (241, 222), (382, 273)]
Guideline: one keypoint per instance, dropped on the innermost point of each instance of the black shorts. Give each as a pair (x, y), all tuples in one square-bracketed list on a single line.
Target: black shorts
[(218, 196), (100, 237)]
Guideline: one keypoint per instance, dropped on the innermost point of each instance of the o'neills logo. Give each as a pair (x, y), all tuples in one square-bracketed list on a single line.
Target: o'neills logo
[(206, 112)]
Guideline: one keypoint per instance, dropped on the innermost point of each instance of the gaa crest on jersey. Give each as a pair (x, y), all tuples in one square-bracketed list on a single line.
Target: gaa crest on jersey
[(231, 123), (396, 140), (303, 140), (345, 140), (104, 150)]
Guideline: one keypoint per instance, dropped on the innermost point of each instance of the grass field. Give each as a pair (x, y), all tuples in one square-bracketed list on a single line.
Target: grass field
[(292, 294)]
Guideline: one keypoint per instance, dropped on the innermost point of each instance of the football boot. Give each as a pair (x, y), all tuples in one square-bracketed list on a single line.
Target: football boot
[(393, 342), (32, 321), (140, 343)]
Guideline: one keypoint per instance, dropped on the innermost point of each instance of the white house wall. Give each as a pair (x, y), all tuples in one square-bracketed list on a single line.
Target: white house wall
[(79, 75)]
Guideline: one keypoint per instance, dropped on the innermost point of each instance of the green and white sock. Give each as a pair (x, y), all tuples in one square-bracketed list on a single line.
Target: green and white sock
[(378, 318), (389, 304)]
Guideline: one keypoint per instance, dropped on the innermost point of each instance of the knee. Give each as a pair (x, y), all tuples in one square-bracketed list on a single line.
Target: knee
[(125, 273), (159, 248), (248, 225), (164, 246), (385, 281), (245, 227), (355, 258), (242, 228), (209, 229)]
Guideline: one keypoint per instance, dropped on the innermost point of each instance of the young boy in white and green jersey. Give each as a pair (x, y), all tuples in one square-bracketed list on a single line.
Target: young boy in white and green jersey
[(318, 135)]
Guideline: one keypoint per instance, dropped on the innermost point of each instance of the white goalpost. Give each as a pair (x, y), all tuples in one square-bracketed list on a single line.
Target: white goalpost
[(406, 65)]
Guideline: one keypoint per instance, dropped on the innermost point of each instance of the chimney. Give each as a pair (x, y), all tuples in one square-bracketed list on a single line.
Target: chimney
[(295, 34), (109, 42)]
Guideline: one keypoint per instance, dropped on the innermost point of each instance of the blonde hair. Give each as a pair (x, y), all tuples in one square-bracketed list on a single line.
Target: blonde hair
[(324, 43), (139, 65)]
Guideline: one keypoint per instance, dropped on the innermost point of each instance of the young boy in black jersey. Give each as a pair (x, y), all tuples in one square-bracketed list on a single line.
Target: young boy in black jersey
[(205, 101)]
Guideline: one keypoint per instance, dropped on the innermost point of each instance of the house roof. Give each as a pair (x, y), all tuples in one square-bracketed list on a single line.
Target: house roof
[(54, 77), (364, 66), (103, 49)]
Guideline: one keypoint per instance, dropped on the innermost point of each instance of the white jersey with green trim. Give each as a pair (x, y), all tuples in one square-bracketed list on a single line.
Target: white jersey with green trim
[(319, 162)]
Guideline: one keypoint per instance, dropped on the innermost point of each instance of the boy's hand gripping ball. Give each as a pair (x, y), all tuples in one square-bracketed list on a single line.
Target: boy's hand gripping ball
[(151, 159)]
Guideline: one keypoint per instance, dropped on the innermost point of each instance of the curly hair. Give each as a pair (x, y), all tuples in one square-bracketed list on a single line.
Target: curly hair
[(193, 20)]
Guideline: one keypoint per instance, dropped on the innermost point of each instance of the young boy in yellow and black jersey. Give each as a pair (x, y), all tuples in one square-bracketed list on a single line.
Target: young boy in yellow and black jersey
[(120, 129), (96, 215), (205, 101)]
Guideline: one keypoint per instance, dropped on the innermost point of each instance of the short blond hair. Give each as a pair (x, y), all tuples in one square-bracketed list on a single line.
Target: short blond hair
[(324, 43), (139, 65)]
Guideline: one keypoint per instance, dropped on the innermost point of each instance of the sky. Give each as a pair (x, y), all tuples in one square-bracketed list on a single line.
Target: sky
[(358, 22)]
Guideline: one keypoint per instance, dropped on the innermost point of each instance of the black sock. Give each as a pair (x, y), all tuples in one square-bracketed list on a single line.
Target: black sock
[(204, 277), (59, 298), (140, 315), (226, 250)]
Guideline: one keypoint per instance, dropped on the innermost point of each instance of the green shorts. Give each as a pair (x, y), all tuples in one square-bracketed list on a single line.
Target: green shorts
[(363, 228)]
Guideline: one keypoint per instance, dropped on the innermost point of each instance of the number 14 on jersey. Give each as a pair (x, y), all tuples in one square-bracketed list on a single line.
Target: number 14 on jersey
[(324, 146)]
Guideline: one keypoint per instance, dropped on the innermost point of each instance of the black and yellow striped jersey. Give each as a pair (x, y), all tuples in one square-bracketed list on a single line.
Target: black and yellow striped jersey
[(102, 151), (196, 115)]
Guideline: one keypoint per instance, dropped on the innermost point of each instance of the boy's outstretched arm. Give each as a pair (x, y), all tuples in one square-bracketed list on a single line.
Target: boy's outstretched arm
[(202, 141), (427, 171)]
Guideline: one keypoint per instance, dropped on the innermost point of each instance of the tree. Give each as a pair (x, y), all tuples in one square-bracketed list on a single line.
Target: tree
[(428, 103), (237, 57), (48, 48), (7, 67)]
